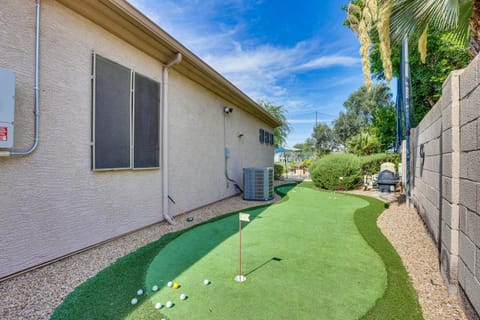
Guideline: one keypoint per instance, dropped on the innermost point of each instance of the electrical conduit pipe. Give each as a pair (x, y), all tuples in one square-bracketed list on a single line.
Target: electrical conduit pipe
[(178, 59), (227, 111), (36, 91)]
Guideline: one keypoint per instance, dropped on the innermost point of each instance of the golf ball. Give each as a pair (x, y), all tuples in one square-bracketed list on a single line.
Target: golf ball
[(183, 296), (158, 305), (169, 304), (134, 301), (169, 284), (206, 281), (155, 288), (176, 285), (139, 292)]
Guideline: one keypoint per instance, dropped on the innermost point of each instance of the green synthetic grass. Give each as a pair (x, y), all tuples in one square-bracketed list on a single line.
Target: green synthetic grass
[(400, 299), (304, 259)]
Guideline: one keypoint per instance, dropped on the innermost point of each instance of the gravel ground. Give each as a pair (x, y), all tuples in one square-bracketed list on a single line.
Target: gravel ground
[(36, 294), (407, 233)]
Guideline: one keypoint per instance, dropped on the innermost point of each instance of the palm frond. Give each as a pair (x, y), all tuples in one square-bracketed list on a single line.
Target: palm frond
[(422, 45), (411, 17)]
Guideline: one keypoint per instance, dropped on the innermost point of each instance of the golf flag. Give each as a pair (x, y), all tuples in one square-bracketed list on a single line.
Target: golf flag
[(244, 216), (241, 217)]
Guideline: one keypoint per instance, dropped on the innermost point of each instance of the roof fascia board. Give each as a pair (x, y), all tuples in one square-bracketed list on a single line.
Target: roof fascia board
[(127, 23)]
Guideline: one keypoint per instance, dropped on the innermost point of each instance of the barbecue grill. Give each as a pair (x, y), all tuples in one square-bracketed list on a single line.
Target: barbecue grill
[(387, 181)]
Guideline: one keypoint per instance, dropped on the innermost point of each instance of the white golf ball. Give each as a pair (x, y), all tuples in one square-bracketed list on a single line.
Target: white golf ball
[(183, 296), (169, 304), (155, 288), (158, 305), (169, 284), (134, 301), (139, 292), (206, 281)]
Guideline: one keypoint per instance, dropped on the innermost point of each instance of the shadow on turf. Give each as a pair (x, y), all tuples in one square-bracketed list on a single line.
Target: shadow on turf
[(107, 295), (263, 265)]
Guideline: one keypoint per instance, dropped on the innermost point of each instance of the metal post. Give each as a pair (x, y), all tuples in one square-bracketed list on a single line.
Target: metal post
[(407, 108), (398, 115)]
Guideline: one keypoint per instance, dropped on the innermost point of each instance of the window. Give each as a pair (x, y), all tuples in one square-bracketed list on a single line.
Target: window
[(126, 110), (262, 135), (267, 137)]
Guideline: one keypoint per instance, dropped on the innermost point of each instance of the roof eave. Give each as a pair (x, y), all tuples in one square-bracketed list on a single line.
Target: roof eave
[(129, 24)]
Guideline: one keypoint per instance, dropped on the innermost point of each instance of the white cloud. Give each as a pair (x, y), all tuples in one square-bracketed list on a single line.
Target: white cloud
[(263, 71), (301, 121), (329, 61)]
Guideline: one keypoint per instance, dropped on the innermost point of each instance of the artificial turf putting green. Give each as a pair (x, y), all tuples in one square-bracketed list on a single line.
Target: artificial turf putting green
[(304, 259)]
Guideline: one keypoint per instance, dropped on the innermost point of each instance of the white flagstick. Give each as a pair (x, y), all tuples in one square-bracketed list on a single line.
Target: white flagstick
[(241, 217)]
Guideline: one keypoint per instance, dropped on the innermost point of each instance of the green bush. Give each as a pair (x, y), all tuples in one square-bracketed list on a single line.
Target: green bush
[(371, 164), (326, 171), (277, 171), (307, 163)]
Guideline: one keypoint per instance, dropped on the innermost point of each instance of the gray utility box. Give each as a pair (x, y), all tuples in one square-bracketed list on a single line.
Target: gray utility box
[(7, 107)]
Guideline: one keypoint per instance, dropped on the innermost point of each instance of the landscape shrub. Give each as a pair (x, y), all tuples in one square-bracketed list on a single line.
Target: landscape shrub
[(371, 164), (307, 163), (277, 171), (326, 171)]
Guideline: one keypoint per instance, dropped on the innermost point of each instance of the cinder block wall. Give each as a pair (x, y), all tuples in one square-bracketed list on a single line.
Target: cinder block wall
[(446, 181)]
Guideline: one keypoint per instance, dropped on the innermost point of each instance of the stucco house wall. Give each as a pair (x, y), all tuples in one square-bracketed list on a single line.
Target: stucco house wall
[(51, 202), (196, 153)]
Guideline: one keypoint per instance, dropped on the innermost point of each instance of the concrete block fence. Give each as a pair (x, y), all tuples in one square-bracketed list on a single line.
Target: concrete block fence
[(446, 182)]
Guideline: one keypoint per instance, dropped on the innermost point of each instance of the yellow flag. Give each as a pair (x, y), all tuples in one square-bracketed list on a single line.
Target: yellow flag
[(244, 216)]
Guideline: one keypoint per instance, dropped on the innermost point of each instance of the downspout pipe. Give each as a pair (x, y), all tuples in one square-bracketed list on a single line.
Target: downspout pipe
[(36, 111), (178, 59)]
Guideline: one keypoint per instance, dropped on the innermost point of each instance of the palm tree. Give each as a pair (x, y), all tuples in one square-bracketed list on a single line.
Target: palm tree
[(414, 17), (278, 112), (397, 18)]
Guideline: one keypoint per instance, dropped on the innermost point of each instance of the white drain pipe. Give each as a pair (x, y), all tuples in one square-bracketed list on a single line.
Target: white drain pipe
[(36, 111), (178, 59)]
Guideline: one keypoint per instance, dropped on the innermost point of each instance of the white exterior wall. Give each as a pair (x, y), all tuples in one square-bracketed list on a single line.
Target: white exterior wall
[(196, 138), (51, 202)]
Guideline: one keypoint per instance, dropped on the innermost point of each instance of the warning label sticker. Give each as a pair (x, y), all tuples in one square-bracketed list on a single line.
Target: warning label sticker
[(3, 133)]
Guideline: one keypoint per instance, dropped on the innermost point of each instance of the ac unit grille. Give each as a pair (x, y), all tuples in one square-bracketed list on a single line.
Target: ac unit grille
[(258, 183)]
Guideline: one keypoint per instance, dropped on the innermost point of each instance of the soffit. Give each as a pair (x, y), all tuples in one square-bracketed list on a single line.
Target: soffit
[(127, 23)]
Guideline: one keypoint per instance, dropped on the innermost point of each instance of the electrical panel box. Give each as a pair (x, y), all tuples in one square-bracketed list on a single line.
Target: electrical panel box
[(7, 107)]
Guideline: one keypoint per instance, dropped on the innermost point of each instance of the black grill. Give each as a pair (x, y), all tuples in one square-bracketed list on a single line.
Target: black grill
[(386, 179)]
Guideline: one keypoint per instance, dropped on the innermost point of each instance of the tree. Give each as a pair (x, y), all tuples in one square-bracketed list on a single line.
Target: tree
[(324, 139), (347, 125), (384, 126), (278, 112), (362, 109), (445, 55), (415, 17), (363, 144), (412, 18)]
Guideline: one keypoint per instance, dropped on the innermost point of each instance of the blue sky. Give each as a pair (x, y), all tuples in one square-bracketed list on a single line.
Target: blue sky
[(291, 53)]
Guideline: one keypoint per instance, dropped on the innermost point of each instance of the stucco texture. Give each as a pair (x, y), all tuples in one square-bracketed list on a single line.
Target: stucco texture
[(52, 203)]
